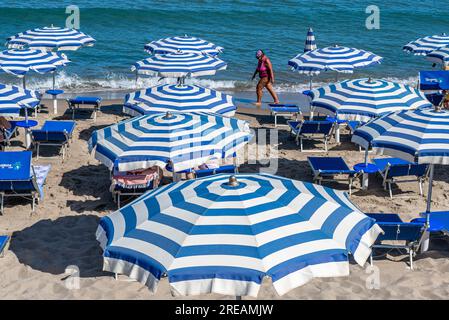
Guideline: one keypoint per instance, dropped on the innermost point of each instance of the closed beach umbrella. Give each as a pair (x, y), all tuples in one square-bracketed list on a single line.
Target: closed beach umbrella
[(420, 136), (13, 98), (185, 44), (186, 140), (423, 46), (339, 59), (310, 41), (223, 234), (364, 99), (179, 65), (187, 98), (19, 62), (440, 56), (50, 38)]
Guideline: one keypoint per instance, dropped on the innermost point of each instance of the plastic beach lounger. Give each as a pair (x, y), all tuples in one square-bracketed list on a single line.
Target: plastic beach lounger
[(54, 133), (393, 168), (209, 172), (19, 178), (75, 103), (283, 110), (395, 231), (326, 168), (310, 130), (4, 240)]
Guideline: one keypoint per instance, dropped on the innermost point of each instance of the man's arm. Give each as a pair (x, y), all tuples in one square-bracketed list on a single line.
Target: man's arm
[(254, 74)]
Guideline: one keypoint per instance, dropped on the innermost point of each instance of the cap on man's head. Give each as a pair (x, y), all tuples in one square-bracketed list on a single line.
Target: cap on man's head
[(259, 53)]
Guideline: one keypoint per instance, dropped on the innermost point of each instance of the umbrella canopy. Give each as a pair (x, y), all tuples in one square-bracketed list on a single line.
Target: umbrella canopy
[(440, 56), (186, 140), (363, 99), (223, 234), (310, 41), (340, 59), (20, 62), (13, 98), (176, 65), (184, 44), (51, 38), (187, 98), (423, 46)]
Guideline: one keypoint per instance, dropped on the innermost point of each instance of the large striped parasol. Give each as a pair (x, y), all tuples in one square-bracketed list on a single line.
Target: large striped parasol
[(364, 99), (176, 65), (13, 98), (339, 59), (182, 98), (50, 38), (224, 234), (185, 44), (423, 46), (186, 140)]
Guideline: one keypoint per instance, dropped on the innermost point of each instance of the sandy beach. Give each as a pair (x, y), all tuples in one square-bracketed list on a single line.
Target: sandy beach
[(61, 232)]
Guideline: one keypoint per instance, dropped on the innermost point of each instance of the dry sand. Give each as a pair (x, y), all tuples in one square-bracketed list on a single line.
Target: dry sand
[(62, 231)]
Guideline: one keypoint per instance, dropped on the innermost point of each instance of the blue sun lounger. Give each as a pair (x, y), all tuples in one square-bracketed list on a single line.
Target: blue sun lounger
[(19, 178), (411, 233), (92, 101), (54, 133), (4, 240), (310, 129), (209, 172), (326, 168), (392, 168), (283, 110)]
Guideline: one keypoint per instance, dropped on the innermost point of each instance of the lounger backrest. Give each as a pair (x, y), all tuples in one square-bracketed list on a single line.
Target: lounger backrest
[(209, 172), (400, 231), (56, 136), (316, 127), (16, 173), (402, 170)]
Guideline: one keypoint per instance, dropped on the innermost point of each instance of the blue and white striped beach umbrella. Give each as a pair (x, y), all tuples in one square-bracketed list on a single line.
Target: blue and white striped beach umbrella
[(20, 62), (13, 98), (178, 98), (423, 46), (223, 234), (50, 38), (187, 140), (176, 65), (420, 136), (363, 99), (440, 56), (310, 41), (185, 44), (340, 59)]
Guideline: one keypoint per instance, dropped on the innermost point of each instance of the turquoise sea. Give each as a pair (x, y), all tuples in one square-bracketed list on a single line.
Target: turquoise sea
[(121, 29)]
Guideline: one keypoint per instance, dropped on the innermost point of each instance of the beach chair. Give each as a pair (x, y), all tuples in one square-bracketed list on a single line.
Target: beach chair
[(19, 178), (133, 184), (283, 110), (310, 130), (222, 169), (4, 241), (54, 133), (399, 234), (326, 168), (391, 169), (75, 103)]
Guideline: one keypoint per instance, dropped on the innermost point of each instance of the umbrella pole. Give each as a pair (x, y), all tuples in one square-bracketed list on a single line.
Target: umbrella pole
[(426, 238), (23, 82), (54, 79), (366, 155), (310, 83), (55, 101)]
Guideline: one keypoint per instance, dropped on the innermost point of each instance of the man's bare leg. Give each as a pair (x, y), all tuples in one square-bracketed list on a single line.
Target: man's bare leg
[(259, 91), (272, 92)]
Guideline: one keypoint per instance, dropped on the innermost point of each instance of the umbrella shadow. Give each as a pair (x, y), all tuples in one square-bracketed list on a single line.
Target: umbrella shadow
[(113, 109), (51, 246), (85, 134)]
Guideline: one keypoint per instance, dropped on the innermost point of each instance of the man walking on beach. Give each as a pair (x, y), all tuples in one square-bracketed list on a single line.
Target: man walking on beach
[(266, 75)]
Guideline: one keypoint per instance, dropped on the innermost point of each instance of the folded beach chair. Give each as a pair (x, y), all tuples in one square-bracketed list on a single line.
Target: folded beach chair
[(19, 178), (393, 168), (310, 130), (133, 184), (54, 133), (222, 169), (326, 168), (4, 240), (75, 103), (399, 234), (283, 110)]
